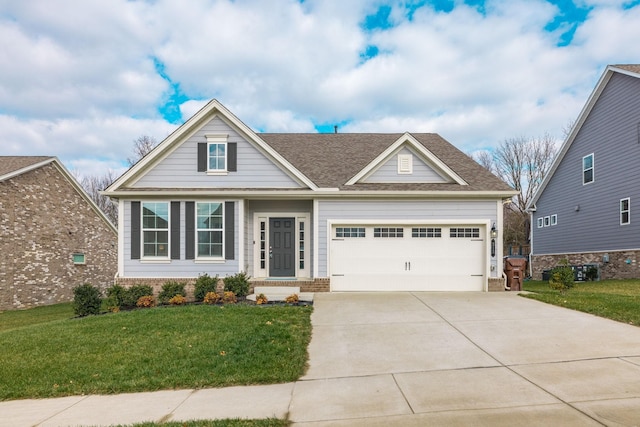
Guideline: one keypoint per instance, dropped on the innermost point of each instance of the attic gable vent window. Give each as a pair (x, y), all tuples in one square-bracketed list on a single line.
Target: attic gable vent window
[(405, 164)]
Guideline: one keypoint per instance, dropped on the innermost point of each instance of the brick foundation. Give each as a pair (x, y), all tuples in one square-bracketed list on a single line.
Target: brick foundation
[(621, 265)]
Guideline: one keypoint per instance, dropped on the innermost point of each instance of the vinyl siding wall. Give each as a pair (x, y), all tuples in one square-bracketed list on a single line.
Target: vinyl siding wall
[(176, 268), (589, 215), (179, 168), (396, 210), (388, 172)]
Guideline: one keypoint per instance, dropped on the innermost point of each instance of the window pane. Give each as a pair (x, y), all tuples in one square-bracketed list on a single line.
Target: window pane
[(588, 176)]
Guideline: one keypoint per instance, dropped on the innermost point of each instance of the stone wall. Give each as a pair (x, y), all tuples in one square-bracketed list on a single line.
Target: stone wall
[(43, 222), (621, 264)]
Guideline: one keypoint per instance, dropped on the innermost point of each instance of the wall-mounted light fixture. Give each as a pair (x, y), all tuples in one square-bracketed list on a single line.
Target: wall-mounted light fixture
[(494, 231)]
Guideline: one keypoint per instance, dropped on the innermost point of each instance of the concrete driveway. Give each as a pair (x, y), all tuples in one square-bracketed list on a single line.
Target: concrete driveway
[(414, 359)]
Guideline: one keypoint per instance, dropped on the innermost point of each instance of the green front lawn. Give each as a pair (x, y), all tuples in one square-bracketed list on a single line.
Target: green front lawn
[(614, 299), (152, 349)]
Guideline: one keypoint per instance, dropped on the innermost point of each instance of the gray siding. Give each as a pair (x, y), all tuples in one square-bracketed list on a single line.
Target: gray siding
[(388, 172), (611, 133), (396, 210), (176, 268), (179, 169)]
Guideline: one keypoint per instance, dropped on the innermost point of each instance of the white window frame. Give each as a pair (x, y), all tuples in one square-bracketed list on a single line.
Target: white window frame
[(217, 140), (143, 229), (198, 230), (540, 222), (592, 169), (547, 221), (627, 211), (554, 219), (79, 258)]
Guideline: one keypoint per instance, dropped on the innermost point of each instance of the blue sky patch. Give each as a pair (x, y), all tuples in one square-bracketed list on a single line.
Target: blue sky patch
[(330, 127), (568, 20), (170, 109), (379, 20)]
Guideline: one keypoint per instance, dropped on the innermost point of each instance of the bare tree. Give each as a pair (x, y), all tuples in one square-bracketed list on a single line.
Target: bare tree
[(93, 185), (141, 147), (485, 159)]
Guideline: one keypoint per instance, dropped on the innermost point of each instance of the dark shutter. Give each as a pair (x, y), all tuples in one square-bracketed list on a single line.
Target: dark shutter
[(175, 230), (232, 157), (229, 230), (202, 157), (190, 230), (135, 230)]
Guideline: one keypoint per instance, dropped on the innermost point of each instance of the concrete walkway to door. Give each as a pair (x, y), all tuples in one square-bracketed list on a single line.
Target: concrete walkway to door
[(414, 359)]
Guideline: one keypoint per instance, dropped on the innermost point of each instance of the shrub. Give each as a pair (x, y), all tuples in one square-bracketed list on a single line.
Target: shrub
[(561, 277), (170, 290), (115, 296), (292, 299), (204, 285), (211, 298), (229, 297), (133, 294), (592, 273), (238, 284), (261, 299), (86, 300), (146, 301), (178, 300)]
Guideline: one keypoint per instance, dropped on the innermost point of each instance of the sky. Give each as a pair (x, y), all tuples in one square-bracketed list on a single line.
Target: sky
[(81, 80)]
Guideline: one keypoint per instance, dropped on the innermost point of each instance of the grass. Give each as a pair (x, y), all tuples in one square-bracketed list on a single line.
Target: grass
[(153, 349), (614, 299), (33, 316)]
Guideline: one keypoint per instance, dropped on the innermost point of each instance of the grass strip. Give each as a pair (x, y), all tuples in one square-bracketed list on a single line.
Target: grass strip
[(155, 349), (614, 299)]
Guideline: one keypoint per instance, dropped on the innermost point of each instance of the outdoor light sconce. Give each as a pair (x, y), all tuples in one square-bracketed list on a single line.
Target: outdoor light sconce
[(494, 234)]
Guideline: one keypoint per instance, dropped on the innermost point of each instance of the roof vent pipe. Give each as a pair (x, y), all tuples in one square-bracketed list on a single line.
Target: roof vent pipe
[(335, 128)]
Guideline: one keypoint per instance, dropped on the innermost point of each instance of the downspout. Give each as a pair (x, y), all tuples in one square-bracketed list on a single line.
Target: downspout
[(530, 211)]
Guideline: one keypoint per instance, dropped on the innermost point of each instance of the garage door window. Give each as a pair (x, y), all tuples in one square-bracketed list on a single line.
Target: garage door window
[(468, 233), (350, 232), (388, 232), (426, 232)]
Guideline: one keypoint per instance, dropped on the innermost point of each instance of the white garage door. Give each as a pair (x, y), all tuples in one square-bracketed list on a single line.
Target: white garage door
[(407, 258)]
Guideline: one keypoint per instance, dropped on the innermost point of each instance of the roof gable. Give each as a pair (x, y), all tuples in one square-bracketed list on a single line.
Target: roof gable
[(407, 140), (190, 127), (632, 70)]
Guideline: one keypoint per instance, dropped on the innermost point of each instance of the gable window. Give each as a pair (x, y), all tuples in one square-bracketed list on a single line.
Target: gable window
[(540, 222), (625, 210), (217, 155), (209, 229), (587, 169), (155, 229), (554, 219)]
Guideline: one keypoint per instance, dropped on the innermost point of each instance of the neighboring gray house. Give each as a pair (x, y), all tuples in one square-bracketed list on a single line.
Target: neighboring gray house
[(339, 212), (52, 236), (583, 209)]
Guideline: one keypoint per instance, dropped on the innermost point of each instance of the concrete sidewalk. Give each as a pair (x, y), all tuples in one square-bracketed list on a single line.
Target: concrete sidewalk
[(412, 359)]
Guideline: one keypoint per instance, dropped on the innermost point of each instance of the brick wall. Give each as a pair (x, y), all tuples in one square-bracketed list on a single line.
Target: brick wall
[(621, 265), (43, 221)]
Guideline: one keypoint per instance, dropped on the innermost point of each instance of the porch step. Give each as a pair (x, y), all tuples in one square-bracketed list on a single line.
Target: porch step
[(280, 293)]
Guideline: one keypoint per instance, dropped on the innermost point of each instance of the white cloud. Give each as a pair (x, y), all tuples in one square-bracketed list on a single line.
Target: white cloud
[(78, 79)]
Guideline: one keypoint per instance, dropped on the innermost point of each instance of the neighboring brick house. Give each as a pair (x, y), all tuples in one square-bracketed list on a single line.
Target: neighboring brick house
[(53, 237)]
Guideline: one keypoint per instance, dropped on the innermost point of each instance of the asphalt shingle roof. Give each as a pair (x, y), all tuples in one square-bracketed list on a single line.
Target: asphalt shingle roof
[(9, 164), (331, 159)]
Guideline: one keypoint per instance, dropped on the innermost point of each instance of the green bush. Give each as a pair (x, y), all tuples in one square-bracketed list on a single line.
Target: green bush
[(170, 290), (238, 284), (86, 300), (120, 297), (204, 285), (562, 277)]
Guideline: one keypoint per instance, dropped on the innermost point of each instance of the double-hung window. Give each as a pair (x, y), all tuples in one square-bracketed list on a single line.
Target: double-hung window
[(625, 211), (216, 153), (155, 229), (210, 229), (587, 169)]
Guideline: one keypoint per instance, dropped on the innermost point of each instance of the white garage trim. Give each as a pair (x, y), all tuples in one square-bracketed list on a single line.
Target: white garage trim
[(483, 224)]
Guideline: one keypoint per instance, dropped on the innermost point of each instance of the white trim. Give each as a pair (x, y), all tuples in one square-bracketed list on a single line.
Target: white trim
[(322, 193), (217, 140), (316, 237), (144, 258), (593, 169), (554, 219), (240, 225), (408, 139), (121, 236), (628, 211)]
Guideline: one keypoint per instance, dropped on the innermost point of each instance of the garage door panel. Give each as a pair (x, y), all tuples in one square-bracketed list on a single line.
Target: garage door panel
[(407, 263)]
